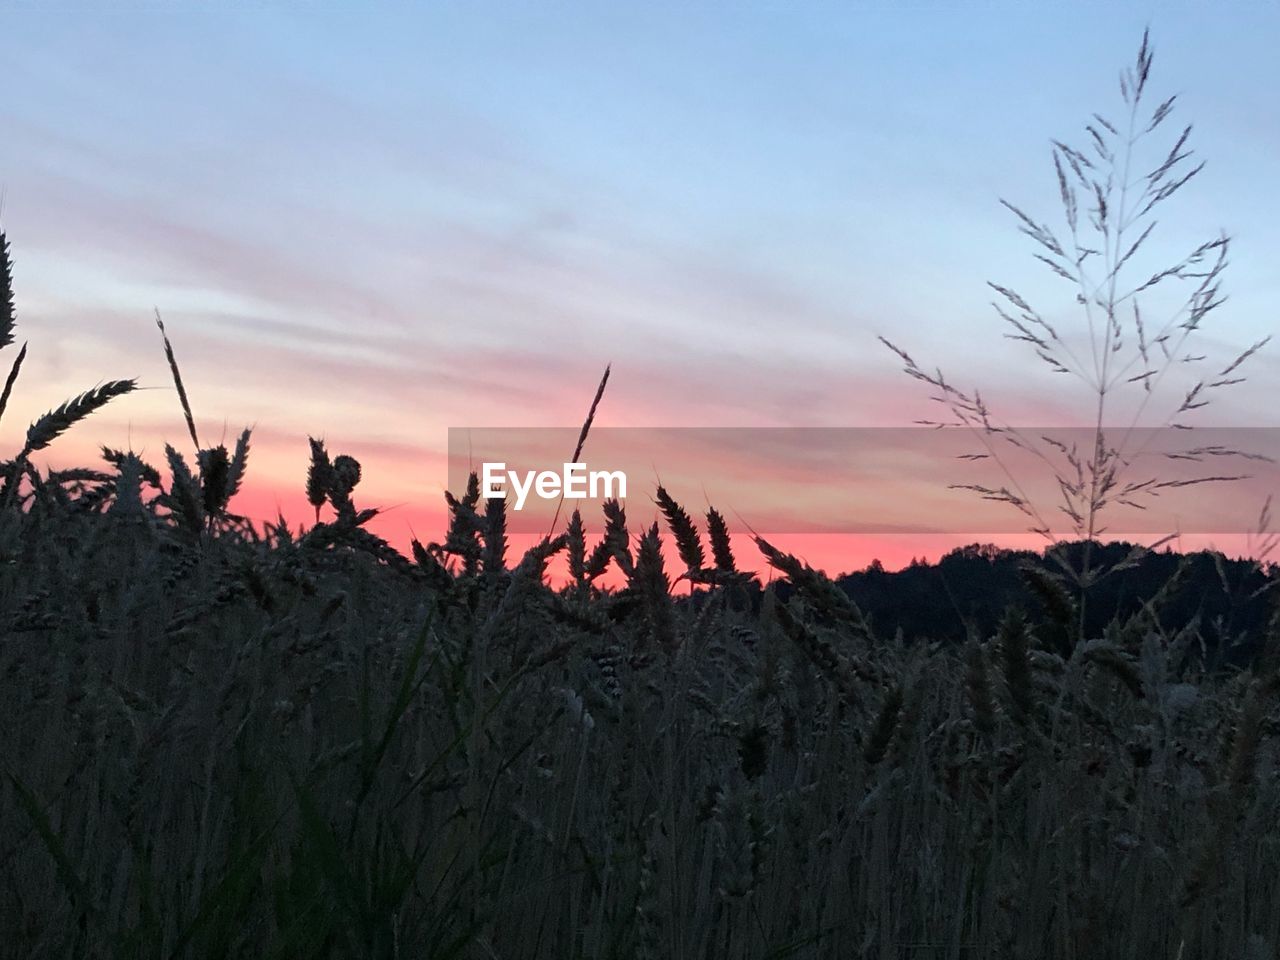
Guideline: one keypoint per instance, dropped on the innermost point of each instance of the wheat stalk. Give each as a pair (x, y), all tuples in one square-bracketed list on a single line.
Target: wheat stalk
[(688, 542), (6, 294), (582, 439), (177, 381), (721, 548), (319, 476), (13, 376), (56, 422)]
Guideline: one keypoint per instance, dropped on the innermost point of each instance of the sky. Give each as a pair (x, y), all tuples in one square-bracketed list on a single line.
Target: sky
[(375, 222)]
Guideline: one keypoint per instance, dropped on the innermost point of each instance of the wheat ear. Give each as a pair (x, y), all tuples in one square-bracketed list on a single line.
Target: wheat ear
[(688, 542), (56, 422), (582, 439), (177, 381), (13, 375), (6, 294)]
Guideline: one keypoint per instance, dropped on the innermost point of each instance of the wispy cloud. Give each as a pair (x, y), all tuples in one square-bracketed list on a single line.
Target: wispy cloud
[(378, 229)]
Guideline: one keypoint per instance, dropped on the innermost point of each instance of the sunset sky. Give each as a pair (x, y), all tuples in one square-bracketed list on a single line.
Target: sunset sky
[(374, 222)]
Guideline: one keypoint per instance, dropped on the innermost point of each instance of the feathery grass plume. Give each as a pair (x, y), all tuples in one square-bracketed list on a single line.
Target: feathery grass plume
[(688, 542), (494, 557), (577, 541), (721, 548), (881, 733), (977, 683), (1109, 208), (319, 476), (1262, 541), (56, 422), (177, 382), (1014, 645), (11, 379)]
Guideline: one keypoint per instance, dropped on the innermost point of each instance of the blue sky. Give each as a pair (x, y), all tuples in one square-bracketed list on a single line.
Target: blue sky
[(461, 212)]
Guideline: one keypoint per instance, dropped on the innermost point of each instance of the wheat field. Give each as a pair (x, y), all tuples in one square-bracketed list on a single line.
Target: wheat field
[(224, 742)]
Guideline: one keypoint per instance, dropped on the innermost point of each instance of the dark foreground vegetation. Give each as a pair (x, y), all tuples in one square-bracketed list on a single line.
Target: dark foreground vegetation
[(225, 742)]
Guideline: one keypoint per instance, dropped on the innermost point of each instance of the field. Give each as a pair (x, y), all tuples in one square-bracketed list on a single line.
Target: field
[(225, 742)]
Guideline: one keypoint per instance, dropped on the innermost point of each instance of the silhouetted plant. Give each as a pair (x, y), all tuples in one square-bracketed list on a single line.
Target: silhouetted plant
[(56, 422), (1109, 213)]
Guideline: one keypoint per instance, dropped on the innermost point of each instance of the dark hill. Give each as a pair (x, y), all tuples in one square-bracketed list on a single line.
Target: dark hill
[(1228, 601)]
